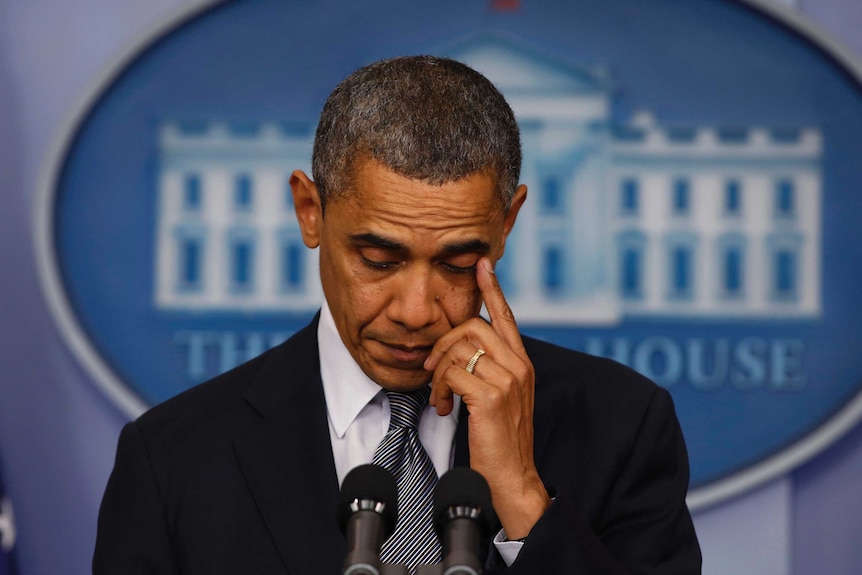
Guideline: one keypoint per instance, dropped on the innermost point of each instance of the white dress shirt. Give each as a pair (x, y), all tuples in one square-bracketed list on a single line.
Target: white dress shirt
[(358, 412)]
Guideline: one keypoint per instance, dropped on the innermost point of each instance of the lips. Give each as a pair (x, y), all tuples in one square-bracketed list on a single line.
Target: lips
[(404, 356)]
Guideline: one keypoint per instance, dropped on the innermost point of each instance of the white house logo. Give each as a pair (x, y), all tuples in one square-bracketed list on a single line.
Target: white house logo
[(626, 220), (702, 237)]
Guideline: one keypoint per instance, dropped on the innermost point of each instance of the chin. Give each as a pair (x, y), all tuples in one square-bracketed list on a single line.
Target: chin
[(401, 381)]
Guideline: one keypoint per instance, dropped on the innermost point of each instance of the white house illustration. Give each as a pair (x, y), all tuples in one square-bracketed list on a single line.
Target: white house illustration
[(623, 220)]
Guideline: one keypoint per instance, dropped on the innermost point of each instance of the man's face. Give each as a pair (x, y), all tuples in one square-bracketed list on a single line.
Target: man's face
[(398, 262)]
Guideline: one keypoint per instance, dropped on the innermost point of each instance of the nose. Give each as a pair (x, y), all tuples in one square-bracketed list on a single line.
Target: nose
[(415, 303)]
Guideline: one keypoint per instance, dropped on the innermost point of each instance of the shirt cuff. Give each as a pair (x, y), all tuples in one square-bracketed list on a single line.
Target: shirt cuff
[(508, 550)]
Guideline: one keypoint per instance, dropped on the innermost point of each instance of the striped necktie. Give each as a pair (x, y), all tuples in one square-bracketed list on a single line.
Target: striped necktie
[(414, 541)]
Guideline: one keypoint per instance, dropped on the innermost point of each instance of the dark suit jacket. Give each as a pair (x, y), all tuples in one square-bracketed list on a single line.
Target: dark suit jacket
[(236, 476)]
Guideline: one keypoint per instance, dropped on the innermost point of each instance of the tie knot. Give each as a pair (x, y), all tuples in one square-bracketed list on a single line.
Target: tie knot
[(406, 408)]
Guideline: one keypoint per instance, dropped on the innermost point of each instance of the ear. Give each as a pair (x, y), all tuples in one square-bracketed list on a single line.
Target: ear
[(306, 204), (517, 201)]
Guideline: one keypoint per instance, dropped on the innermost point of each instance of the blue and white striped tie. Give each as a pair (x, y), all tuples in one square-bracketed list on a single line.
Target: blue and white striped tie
[(414, 541)]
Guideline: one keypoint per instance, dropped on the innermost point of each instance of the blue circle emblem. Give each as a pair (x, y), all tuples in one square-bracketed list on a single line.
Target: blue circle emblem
[(693, 211)]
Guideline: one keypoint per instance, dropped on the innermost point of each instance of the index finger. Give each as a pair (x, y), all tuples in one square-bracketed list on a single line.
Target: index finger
[(499, 312)]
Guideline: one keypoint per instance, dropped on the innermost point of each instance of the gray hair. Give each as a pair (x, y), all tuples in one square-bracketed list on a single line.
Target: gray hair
[(425, 118)]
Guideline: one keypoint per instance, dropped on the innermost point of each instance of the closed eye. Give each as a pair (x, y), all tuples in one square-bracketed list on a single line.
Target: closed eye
[(387, 265), (379, 258), (461, 264)]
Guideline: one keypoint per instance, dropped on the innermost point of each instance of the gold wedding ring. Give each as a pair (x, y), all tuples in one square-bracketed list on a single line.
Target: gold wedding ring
[(471, 365)]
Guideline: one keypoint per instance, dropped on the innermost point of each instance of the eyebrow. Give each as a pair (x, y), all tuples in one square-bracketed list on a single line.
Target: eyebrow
[(372, 239), (473, 246), (467, 247)]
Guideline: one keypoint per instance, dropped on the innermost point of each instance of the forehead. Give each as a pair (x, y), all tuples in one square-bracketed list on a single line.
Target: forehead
[(380, 195)]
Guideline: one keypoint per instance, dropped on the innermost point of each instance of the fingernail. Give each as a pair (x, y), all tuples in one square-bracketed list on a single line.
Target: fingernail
[(486, 263)]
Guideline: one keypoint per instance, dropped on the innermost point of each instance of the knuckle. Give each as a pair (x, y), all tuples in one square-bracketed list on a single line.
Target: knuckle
[(508, 314), (507, 311), (448, 372), (466, 347), (507, 382), (504, 315), (524, 372), (495, 396), (474, 324)]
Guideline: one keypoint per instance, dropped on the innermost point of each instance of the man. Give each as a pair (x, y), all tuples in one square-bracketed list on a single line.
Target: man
[(416, 165)]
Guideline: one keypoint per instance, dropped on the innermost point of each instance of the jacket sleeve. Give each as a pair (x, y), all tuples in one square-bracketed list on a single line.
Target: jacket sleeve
[(644, 527), (132, 536)]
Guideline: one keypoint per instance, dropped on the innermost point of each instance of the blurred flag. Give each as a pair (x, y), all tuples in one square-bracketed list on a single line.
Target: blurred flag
[(7, 535), (505, 5)]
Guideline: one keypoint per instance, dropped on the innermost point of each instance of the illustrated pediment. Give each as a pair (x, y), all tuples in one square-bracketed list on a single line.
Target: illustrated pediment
[(516, 68)]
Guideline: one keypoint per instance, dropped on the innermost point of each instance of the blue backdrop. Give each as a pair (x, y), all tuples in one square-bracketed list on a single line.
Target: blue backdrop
[(57, 428)]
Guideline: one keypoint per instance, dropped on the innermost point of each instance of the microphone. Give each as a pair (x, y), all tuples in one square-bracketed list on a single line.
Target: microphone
[(463, 518), (366, 515)]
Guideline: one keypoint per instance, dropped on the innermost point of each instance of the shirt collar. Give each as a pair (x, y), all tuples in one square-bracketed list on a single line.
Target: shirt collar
[(346, 387)]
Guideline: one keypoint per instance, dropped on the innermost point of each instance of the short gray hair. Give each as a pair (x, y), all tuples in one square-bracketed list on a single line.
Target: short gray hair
[(423, 117)]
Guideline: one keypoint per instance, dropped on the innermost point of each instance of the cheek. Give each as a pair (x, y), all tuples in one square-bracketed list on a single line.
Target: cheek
[(460, 302), (350, 297), (365, 300)]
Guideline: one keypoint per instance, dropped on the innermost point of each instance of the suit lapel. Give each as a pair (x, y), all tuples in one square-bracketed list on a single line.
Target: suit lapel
[(462, 440), (286, 457), (543, 418)]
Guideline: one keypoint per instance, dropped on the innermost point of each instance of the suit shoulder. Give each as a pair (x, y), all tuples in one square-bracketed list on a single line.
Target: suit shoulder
[(220, 399), (600, 379), (599, 405), (228, 385)]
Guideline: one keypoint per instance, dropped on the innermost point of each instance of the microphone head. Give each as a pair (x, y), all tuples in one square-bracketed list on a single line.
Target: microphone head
[(371, 483), (463, 487)]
